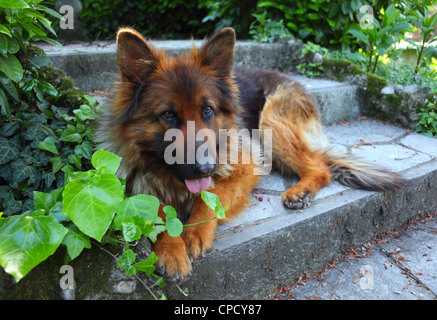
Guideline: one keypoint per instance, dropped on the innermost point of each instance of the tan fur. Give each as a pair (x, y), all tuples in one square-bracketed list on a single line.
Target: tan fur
[(289, 112)]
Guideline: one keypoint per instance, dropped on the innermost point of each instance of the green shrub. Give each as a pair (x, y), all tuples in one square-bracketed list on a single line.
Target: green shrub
[(155, 19), (234, 13), (264, 29), (427, 120)]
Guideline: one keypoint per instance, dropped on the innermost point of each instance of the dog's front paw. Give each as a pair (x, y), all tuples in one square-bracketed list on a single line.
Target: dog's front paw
[(198, 241), (173, 261)]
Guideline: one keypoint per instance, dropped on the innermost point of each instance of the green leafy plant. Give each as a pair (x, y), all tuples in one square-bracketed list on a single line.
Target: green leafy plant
[(41, 139), (22, 21), (92, 205), (229, 13), (264, 29), (427, 120), (320, 21), (379, 36), (311, 69), (427, 23), (159, 18)]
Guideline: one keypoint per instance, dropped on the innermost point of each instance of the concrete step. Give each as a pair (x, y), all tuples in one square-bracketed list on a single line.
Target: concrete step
[(93, 66)]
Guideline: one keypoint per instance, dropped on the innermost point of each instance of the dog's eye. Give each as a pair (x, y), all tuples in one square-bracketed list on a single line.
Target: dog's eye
[(208, 110), (168, 115)]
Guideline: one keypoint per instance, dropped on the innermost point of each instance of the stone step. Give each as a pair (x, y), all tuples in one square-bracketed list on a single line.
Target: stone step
[(94, 67)]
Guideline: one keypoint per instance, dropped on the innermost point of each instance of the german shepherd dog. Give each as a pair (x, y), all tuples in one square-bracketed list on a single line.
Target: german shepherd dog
[(157, 92)]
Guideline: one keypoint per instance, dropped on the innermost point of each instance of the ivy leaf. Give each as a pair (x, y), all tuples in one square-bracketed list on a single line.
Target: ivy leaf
[(57, 164), (152, 232), (12, 206), (26, 240), (7, 151), (91, 100), (147, 266), (48, 178), (132, 228), (76, 241), (21, 171), (125, 261), (144, 206), (76, 160), (213, 201), (91, 203), (85, 113), (104, 159), (34, 133), (173, 224), (49, 145), (8, 129), (27, 155), (70, 134), (85, 150), (46, 201)]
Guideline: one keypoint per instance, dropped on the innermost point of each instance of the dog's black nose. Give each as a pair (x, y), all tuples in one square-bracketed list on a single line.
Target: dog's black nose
[(204, 170)]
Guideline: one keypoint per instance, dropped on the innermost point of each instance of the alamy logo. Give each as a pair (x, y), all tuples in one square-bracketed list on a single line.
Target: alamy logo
[(366, 21), (67, 21), (67, 280)]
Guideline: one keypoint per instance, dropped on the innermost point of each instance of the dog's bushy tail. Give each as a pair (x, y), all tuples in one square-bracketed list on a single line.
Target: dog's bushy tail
[(355, 173)]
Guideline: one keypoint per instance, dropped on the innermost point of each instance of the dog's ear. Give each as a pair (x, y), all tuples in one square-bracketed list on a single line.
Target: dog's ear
[(135, 57), (218, 52)]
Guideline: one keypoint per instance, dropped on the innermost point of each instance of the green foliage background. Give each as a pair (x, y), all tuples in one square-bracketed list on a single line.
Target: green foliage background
[(320, 21)]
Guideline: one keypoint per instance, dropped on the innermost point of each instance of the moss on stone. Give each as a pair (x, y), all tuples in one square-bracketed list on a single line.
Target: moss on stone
[(70, 96), (338, 69), (71, 99), (398, 107), (375, 84)]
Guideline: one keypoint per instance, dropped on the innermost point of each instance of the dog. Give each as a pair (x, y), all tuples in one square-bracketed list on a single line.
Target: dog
[(202, 89)]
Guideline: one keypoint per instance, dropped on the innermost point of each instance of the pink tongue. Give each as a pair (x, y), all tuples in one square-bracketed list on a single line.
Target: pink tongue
[(198, 185)]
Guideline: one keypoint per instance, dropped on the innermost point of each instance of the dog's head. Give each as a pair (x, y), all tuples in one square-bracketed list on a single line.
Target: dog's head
[(170, 109)]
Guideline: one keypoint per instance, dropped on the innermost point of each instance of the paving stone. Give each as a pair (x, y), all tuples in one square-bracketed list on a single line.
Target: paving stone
[(357, 132), (371, 278), (394, 157), (421, 143), (416, 250)]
